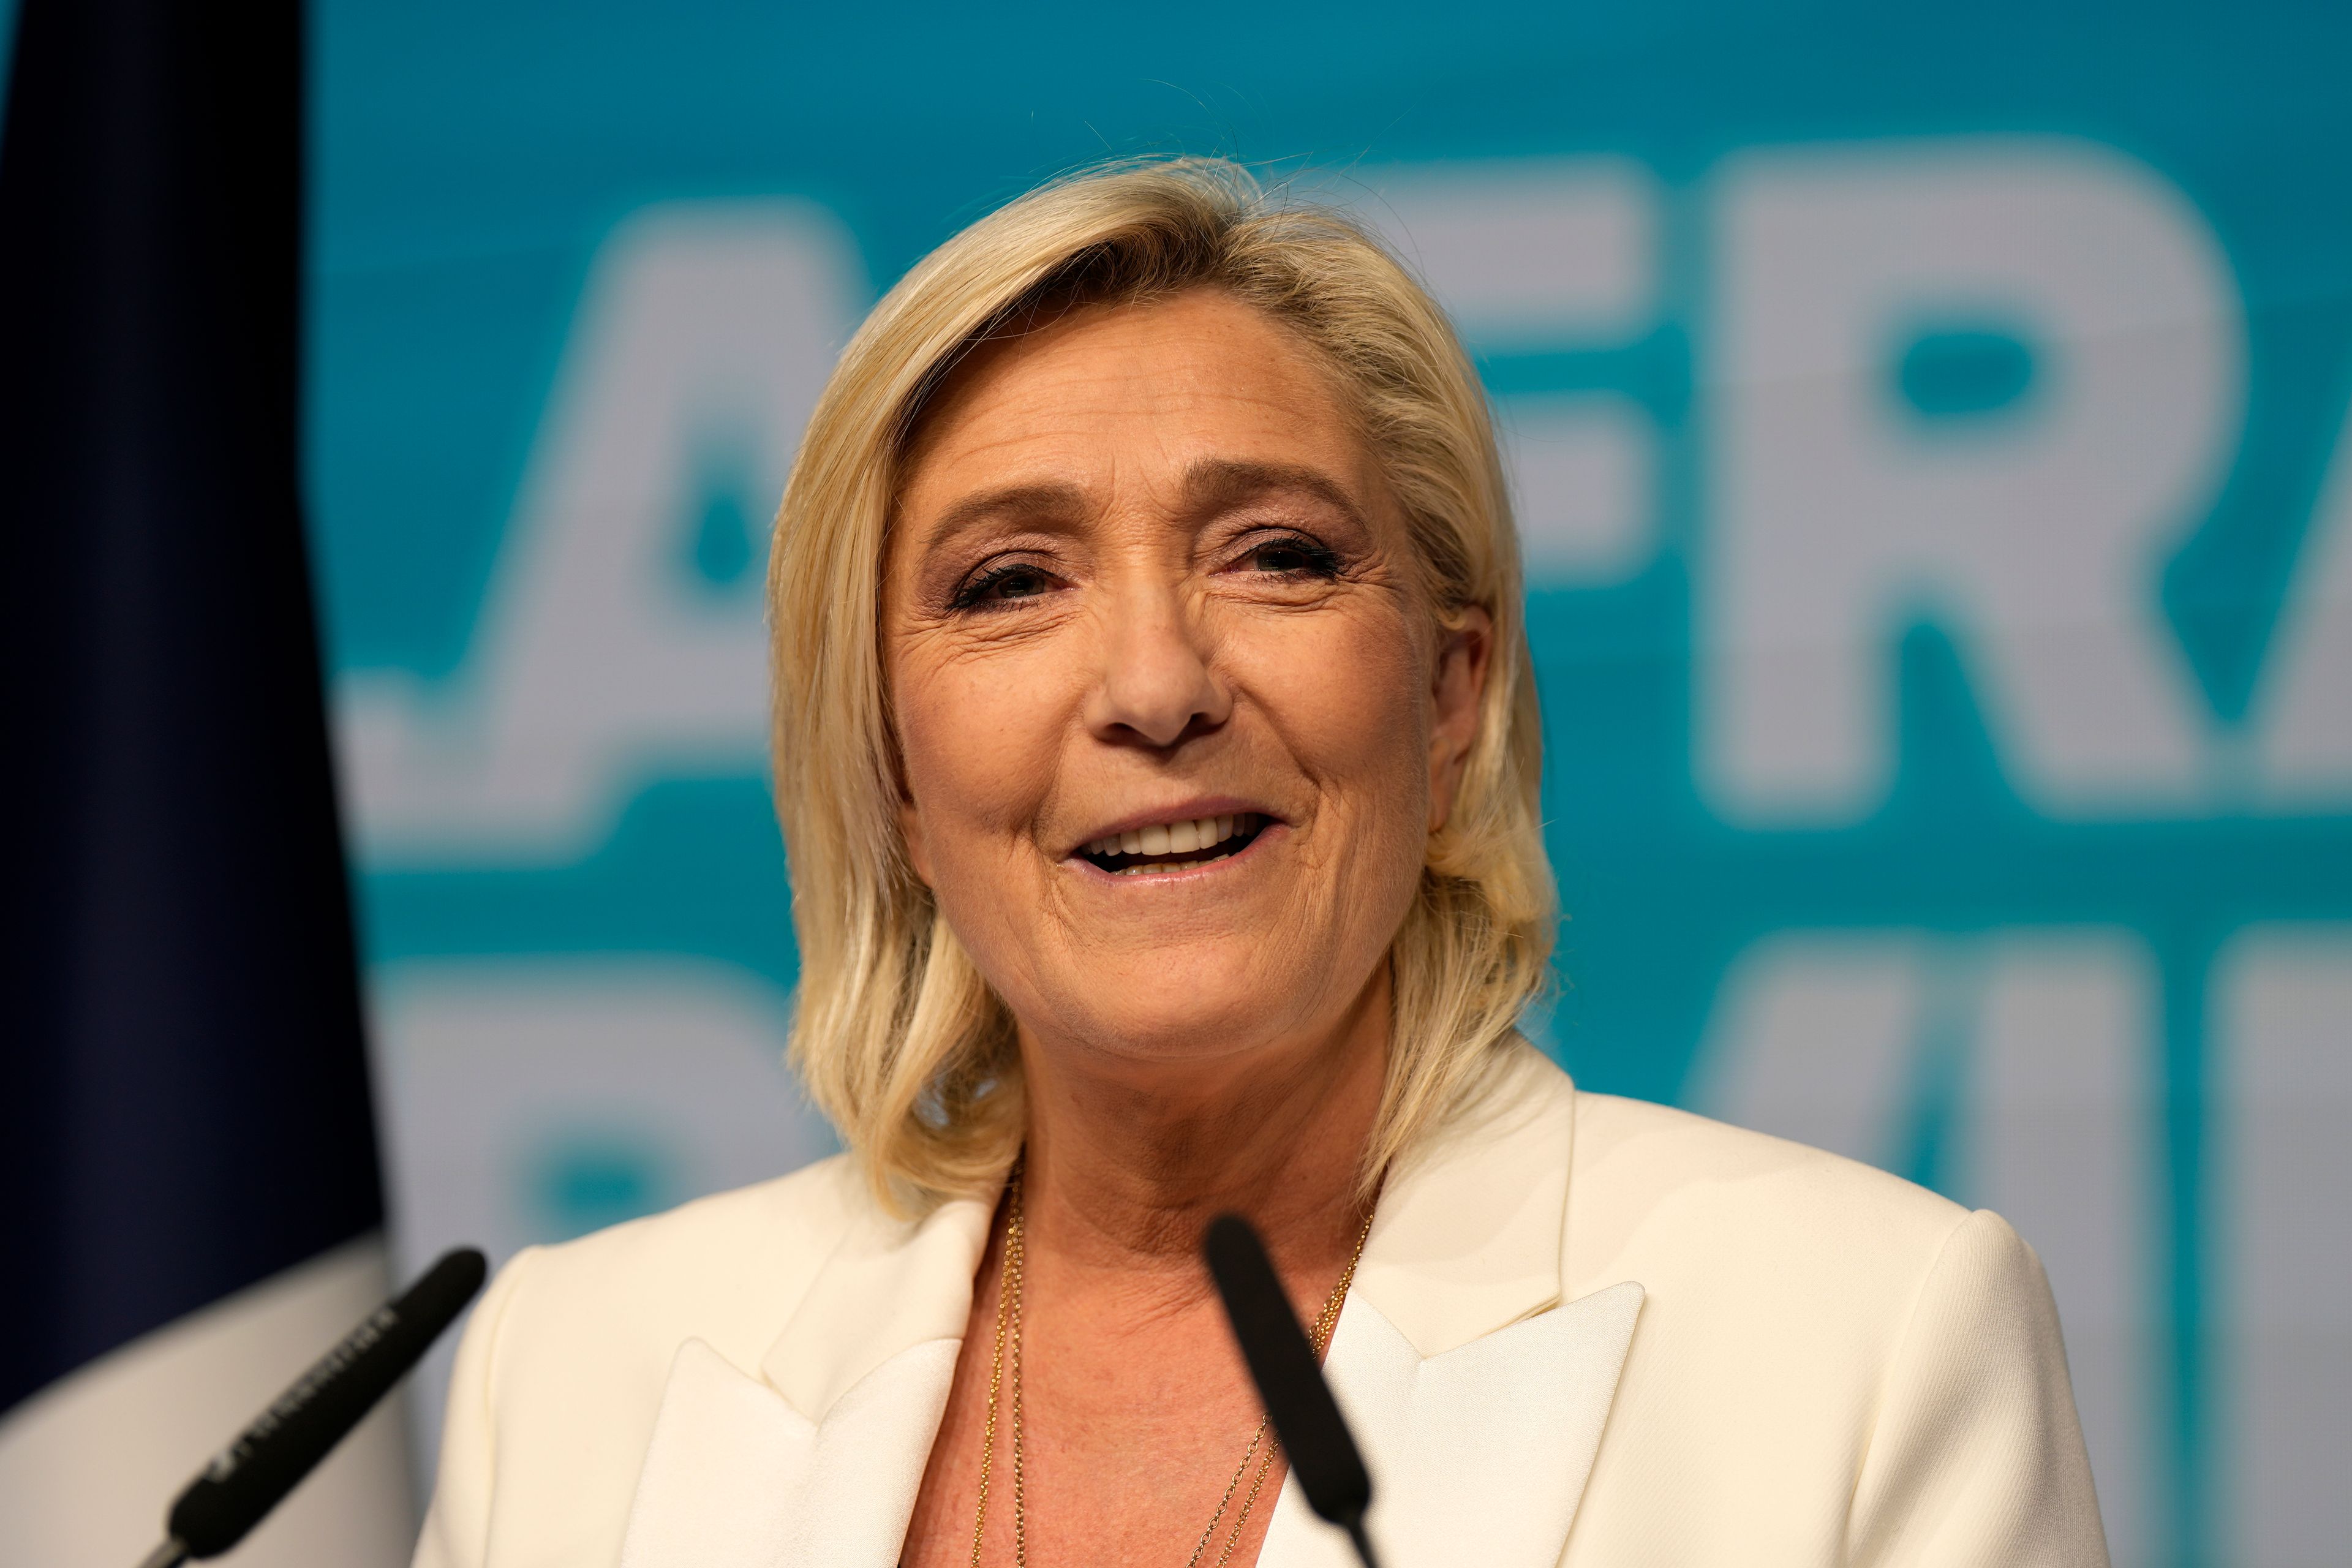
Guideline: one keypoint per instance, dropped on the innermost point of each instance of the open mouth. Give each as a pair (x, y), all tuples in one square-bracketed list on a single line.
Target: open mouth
[(1175, 846)]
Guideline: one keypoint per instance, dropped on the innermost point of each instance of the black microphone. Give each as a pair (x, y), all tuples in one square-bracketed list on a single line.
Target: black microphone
[(1282, 1363), (286, 1442)]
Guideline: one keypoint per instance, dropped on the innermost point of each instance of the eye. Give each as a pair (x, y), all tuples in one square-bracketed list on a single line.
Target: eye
[(1002, 585), (1293, 555)]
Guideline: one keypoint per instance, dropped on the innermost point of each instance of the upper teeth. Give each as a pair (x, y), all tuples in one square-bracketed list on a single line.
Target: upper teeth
[(1173, 838)]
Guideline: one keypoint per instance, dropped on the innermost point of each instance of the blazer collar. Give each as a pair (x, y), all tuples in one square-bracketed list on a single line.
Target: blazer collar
[(887, 1288), (1479, 1398), (1470, 1229)]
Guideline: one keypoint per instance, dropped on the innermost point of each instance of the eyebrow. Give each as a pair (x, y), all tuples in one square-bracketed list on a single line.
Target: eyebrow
[(1212, 485), (1218, 483), (1030, 501)]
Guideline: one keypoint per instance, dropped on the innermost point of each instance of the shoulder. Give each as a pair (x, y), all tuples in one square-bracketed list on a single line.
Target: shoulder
[(561, 1372), (1742, 1241), (1860, 1369), (1680, 1196), (727, 1270)]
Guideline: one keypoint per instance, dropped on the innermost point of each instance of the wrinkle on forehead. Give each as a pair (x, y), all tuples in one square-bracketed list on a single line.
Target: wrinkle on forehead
[(977, 362)]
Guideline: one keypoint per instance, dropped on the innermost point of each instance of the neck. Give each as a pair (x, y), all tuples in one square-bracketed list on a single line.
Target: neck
[(1127, 1165)]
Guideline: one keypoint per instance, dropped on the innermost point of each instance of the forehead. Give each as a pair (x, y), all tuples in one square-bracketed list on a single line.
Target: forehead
[(1110, 394)]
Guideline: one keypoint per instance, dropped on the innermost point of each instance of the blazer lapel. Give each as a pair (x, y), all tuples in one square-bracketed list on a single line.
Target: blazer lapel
[(816, 1463), (1477, 1397), (707, 1492), (1476, 1456)]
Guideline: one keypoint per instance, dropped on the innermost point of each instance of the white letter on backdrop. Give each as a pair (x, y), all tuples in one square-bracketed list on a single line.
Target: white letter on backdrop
[(702, 337), (1538, 254), (2279, 1008), (2302, 720), (2034, 532)]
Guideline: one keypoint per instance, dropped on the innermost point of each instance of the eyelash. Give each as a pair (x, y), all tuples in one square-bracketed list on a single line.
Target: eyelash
[(972, 594), (1319, 561)]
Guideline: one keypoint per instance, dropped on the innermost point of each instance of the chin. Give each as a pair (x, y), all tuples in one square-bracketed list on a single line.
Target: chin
[(1169, 1014)]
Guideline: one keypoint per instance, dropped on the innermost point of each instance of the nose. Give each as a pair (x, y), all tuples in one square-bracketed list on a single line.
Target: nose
[(1155, 685)]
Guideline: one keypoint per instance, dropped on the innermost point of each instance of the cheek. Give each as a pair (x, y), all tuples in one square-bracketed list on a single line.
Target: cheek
[(978, 745), (1350, 695)]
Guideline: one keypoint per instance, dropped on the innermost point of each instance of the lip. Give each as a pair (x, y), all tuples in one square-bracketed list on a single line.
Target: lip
[(1161, 816)]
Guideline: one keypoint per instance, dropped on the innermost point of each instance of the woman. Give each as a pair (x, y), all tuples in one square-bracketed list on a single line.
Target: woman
[(1157, 749)]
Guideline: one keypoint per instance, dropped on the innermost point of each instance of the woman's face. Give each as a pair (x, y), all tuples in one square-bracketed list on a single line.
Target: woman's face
[(1175, 720)]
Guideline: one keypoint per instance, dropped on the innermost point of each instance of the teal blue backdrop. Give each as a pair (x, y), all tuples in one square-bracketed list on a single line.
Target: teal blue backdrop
[(1930, 432)]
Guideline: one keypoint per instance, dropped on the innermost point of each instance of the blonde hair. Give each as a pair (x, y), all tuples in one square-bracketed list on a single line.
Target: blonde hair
[(897, 1037)]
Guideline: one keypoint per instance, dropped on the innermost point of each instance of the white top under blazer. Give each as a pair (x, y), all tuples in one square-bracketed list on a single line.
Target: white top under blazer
[(1586, 1330)]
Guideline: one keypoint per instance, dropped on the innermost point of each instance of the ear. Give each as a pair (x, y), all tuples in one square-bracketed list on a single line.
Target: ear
[(1457, 693), (911, 833)]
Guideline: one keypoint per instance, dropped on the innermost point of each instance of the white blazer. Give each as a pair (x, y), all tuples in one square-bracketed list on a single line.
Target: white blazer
[(1586, 1332)]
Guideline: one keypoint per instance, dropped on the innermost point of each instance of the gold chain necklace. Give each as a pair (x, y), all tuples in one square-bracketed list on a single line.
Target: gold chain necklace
[(1009, 1329)]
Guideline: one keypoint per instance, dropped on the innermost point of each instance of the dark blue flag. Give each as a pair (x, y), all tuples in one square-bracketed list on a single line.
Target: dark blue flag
[(183, 1103)]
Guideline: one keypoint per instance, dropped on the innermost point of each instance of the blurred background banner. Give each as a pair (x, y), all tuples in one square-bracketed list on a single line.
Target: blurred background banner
[(1930, 426), (193, 1204)]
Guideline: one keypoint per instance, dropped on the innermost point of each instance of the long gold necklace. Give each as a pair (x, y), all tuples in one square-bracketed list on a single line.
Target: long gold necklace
[(1262, 1445)]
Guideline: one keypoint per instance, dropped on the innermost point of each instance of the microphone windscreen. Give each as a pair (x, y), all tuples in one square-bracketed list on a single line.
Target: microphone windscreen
[(269, 1458), (1282, 1363)]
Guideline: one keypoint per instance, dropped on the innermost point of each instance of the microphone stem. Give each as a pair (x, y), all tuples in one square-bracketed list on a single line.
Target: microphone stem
[(171, 1554), (1363, 1542)]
